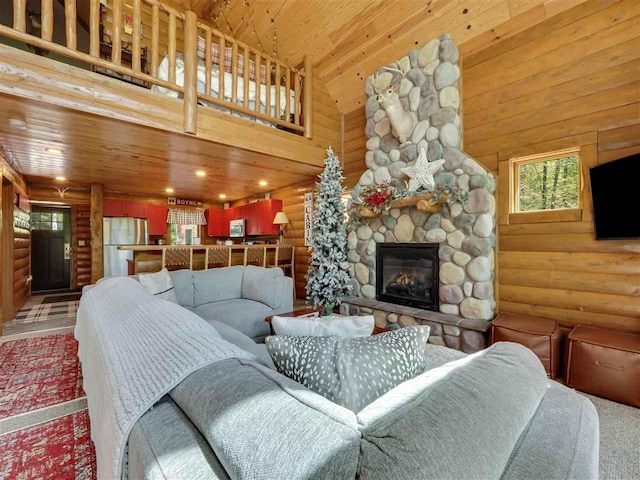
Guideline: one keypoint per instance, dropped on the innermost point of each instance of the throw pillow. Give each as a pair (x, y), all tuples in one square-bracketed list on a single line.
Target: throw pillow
[(351, 372), (346, 327), (159, 285)]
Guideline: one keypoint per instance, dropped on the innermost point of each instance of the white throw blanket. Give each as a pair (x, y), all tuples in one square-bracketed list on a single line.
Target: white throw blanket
[(134, 349)]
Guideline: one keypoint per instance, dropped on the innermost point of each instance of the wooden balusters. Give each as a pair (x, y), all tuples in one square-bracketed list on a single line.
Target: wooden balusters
[(116, 34), (257, 64), (234, 74), (46, 20), (221, 68), (190, 72), (135, 47), (20, 15), (267, 100), (155, 39), (172, 48), (296, 98), (287, 106), (246, 77), (94, 28), (207, 62), (278, 112), (70, 23), (307, 93)]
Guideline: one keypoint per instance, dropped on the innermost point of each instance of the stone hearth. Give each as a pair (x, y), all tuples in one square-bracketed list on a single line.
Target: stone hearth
[(446, 330), (427, 86)]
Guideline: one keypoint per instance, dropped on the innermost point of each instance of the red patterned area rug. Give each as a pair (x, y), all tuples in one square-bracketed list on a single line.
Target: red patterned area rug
[(38, 372), (59, 449)]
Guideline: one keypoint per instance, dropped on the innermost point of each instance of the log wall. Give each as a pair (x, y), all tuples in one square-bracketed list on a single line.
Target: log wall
[(573, 80)]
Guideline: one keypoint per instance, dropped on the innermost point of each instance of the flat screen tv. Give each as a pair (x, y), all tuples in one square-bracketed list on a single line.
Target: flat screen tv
[(615, 190)]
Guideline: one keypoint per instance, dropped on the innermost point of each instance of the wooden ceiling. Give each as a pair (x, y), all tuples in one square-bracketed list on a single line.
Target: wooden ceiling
[(349, 40), (131, 158)]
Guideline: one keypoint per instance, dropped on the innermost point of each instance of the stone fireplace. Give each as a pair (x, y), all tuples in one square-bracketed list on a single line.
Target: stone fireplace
[(407, 274), (422, 89)]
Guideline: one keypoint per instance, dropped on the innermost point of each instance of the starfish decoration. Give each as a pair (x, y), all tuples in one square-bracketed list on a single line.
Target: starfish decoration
[(421, 174)]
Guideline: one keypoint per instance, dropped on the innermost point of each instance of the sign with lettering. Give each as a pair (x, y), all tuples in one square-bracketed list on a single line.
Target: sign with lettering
[(308, 218), (184, 202)]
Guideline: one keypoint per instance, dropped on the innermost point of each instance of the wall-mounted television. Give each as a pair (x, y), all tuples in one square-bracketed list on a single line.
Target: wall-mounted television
[(615, 191)]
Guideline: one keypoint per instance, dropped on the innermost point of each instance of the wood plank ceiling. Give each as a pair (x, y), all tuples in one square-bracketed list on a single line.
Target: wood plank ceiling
[(132, 158), (349, 40)]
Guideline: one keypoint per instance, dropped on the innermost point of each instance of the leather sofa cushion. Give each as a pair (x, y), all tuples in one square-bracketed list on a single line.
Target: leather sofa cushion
[(244, 315), (217, 284)]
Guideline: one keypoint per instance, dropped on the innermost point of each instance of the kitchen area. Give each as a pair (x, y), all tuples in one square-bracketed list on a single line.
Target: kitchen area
[(145, 237)]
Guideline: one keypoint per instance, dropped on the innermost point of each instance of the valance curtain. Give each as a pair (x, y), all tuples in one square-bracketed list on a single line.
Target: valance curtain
[(186, 217)]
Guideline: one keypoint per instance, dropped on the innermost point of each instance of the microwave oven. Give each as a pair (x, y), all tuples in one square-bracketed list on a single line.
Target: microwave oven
[(236, 228)]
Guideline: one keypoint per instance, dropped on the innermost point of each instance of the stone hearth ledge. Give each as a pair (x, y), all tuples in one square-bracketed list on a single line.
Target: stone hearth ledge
[(447, 330)]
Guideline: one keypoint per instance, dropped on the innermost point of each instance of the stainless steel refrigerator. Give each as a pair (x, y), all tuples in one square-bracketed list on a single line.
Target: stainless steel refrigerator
[(121, 231)]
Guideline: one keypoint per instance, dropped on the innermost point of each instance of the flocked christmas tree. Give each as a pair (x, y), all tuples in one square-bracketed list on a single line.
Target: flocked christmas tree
[(328, 277)]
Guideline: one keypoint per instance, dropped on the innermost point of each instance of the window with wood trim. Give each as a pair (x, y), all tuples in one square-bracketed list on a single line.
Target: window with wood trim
[(546, 182)]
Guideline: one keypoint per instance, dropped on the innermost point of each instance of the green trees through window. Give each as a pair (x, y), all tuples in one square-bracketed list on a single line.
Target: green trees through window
[(549, 184)]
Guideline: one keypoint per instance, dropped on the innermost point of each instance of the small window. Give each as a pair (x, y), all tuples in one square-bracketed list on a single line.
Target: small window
[(547, 182), (47, 221)]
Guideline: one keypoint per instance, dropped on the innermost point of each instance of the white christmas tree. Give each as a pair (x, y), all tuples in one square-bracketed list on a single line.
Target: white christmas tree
[(328, 277)]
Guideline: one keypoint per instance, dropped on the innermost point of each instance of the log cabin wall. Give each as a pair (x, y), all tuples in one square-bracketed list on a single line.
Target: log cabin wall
[(573, 80), (80, 245), (15, 288), (354, 142)]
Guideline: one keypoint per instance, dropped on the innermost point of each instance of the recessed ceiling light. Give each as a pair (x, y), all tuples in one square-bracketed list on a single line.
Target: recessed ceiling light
[(262, 183), (53, 150), (223, 196), (200, 173), (60, 179), (169, 190), (18, 123)]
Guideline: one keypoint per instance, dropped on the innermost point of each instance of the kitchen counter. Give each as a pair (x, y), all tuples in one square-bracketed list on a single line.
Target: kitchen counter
[(149, 258)]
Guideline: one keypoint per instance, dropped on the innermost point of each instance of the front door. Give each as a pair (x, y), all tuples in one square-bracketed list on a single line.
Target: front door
[(50, 248)]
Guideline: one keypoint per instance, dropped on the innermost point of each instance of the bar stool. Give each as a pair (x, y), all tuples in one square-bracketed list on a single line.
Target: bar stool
[(179, 257), (255, 256), (285, 260), (217, 257)]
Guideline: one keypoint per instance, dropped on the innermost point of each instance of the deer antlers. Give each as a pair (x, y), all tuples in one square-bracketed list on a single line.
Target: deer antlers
[(386, 77), (401, 69)]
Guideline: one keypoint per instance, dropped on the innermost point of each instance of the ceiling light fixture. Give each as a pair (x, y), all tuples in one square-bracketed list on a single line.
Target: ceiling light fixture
[(53, 150), (200, 173), (169, 190), (60, 179), (262, 183), (223, 196)]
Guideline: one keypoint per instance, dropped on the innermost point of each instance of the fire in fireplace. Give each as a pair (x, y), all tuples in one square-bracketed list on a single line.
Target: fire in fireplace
[(407, 274)]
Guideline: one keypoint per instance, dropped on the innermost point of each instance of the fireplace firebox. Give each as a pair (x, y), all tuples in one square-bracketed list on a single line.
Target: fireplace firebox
[(407, 274)]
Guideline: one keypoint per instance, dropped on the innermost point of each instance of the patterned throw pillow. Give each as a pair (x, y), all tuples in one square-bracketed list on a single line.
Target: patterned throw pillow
[(159, 285), (352, 372)]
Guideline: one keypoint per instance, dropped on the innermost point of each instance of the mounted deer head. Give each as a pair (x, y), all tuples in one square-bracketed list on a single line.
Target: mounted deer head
[(402, 122)]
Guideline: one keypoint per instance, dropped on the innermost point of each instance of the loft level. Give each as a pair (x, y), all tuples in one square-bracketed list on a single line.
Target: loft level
[(181, 75)]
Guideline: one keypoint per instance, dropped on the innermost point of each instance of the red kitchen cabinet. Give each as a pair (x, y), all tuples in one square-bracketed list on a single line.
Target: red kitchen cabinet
[(114, 207), (134, 209), (156, 219), (267, 214), (218, 222)]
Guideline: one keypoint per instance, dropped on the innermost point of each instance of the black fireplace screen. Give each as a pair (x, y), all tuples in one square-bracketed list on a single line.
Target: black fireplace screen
[(407, 274)]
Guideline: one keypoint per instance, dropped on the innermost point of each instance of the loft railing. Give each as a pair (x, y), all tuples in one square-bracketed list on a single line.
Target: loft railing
[(236, 76)]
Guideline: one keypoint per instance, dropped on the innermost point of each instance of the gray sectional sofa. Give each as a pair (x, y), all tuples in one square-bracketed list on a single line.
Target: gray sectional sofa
[(490, 415), (240, 296)]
